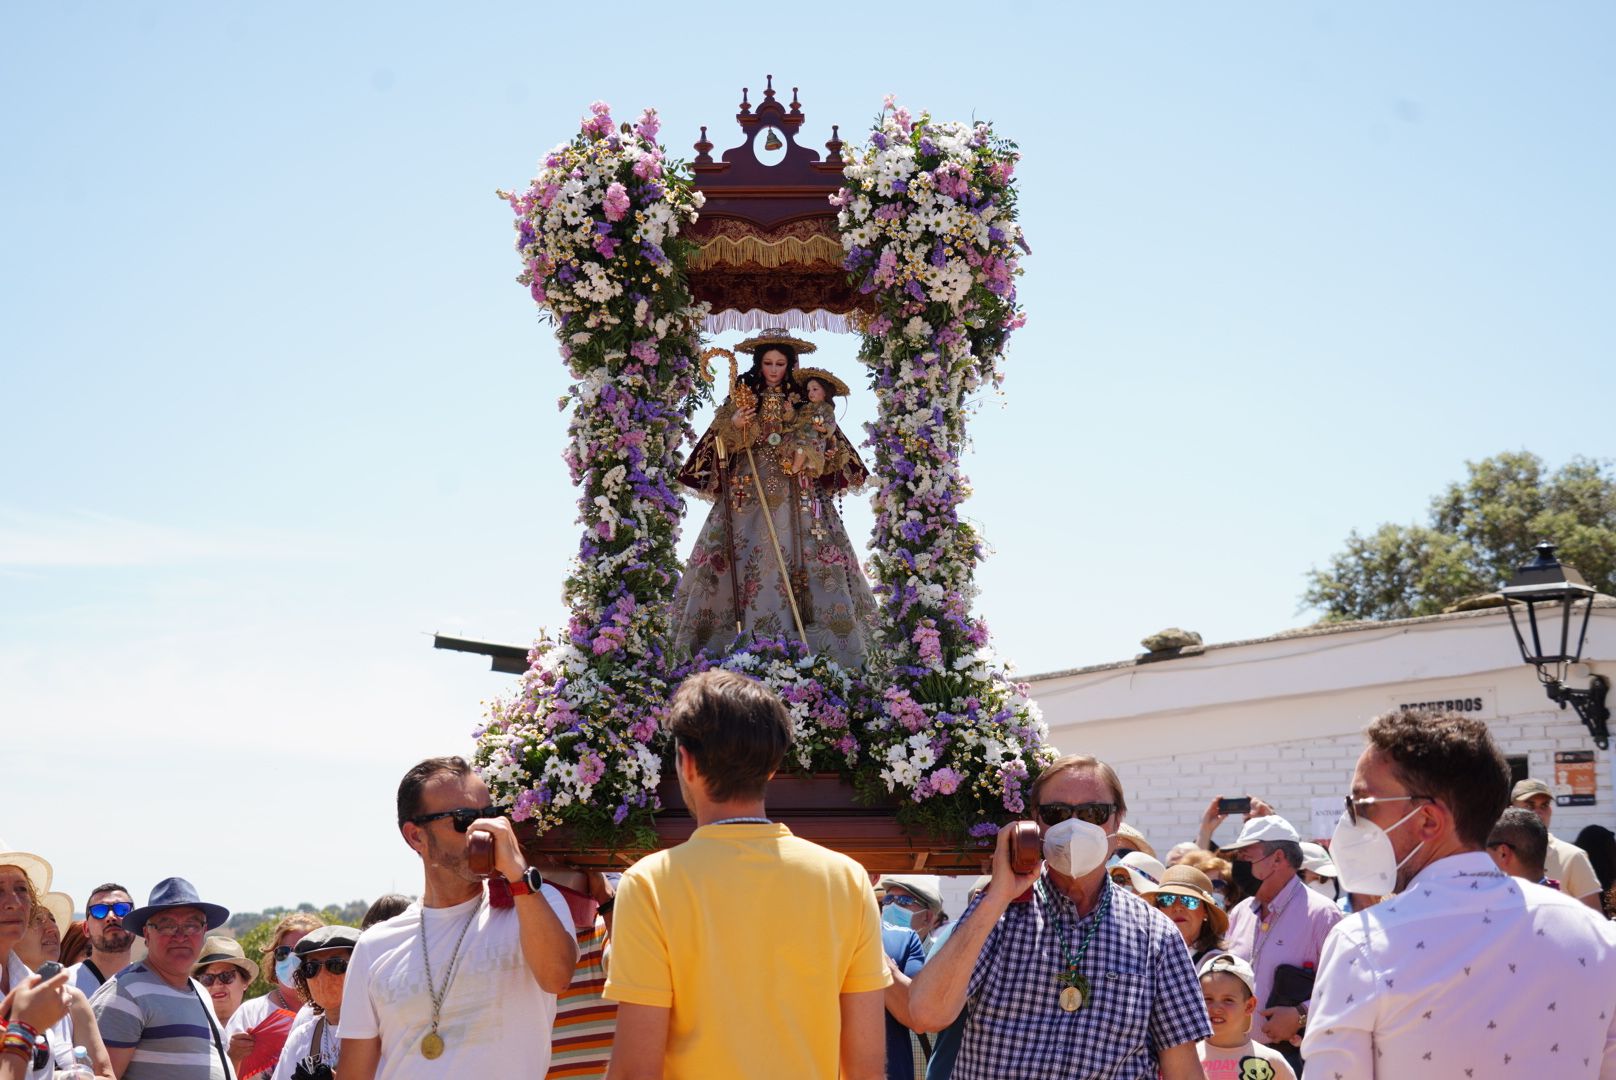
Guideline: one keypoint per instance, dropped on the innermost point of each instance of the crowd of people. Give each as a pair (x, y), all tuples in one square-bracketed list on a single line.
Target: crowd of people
[(1444, 932)]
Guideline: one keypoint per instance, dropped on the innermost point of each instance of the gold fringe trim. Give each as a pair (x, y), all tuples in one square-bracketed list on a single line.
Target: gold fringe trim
[(786, 251)]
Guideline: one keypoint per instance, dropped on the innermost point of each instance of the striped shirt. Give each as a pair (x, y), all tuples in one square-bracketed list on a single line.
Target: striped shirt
[(172, 1032), (581, 1044)]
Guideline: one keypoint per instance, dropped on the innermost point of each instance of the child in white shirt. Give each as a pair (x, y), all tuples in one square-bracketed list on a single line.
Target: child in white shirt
[(1229, 987)]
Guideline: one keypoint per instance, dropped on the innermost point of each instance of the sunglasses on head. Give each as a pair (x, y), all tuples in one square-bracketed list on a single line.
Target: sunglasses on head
[(223, 978), (1167, 900), (101, 911), (336, 965), (463, 816), (1095, 813)]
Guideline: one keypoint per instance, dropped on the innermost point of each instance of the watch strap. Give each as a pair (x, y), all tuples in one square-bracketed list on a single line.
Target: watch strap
[(530, 882)]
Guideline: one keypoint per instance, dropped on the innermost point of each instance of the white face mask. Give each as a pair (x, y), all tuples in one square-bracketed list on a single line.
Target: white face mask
[(1076, 848), (1325, 889), (1363, 856)]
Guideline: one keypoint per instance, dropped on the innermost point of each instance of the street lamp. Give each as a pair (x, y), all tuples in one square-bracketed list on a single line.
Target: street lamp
[(1557, 604)]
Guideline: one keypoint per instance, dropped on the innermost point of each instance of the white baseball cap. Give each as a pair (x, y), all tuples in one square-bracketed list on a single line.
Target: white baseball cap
[(1316, 859), (1269, 829), (1230, 964)]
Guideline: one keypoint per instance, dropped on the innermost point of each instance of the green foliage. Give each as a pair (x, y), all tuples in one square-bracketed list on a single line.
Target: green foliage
[(1479, 532), (254, 929)]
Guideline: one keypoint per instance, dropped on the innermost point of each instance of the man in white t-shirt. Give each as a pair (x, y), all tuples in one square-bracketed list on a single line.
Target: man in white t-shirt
[(455, 987)]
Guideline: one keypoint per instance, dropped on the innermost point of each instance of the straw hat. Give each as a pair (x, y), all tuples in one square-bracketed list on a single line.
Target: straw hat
[(218, 949), (36, 868), (60, 905), (776, 336), (837, 387), (1184, 880), (1136, 839)]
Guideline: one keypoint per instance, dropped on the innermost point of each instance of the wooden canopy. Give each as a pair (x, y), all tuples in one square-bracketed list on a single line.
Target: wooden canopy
[(770, 253)]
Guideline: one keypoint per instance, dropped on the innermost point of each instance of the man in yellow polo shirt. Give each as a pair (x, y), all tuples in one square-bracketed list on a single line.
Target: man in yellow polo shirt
[(745, 951)]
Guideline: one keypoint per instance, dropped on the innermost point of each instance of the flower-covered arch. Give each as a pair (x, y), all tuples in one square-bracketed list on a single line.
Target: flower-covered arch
[(911, 239)]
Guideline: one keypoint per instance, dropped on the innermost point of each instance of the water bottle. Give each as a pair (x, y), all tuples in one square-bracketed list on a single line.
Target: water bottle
[(81, 1069)]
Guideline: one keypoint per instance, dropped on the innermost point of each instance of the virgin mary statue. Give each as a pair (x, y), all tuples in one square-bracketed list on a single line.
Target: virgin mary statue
[(773, 558)]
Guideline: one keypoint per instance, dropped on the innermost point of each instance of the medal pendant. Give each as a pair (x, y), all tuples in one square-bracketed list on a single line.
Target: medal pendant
[(432, 1046), (1075, 993)]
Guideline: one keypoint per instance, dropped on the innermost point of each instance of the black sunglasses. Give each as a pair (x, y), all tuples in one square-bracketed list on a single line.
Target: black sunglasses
[(282, 952), (463, 816), (101, 911), (223, 978), (1095, 813), (336, 965)]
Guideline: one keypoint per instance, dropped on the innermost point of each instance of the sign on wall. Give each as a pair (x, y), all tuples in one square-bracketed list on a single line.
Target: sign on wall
[(1575, 782), (1479, 702)]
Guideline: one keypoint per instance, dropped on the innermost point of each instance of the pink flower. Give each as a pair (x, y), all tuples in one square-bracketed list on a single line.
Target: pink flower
[(945, 781), (648, 167), (644, 351), (648, 125), (616, 202), (886, 270)]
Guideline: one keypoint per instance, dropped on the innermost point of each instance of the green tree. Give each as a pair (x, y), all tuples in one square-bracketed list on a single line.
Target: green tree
[(1479, 532)]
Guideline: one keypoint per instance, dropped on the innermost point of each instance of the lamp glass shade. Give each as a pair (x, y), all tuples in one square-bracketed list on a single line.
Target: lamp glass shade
[(1556, 603)]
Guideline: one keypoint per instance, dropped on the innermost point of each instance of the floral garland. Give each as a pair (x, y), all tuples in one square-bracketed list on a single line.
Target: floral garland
[(599, 235), (929, 226), (824, 699)]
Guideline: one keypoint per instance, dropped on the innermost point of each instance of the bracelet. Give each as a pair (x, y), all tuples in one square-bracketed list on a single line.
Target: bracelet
[(23, 1028), (18, 1044)]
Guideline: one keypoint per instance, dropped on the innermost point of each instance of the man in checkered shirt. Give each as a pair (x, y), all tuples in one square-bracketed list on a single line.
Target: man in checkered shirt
[(1013, 952)]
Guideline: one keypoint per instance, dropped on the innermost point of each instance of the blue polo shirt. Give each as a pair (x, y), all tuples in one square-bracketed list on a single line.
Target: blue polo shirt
[(903, 945)]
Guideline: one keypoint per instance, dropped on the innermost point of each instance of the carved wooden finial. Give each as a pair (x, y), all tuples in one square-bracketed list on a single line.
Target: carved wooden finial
[(746, 106), (768, 92), (704, 149), (835, 145), (796, 106)]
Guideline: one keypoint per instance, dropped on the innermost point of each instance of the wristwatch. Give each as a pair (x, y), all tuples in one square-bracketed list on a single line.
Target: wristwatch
[(529, 882), (1301, 1015)]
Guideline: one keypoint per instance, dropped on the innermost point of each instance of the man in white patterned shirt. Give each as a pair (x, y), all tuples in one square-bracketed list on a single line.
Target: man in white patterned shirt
[(1465, 972)]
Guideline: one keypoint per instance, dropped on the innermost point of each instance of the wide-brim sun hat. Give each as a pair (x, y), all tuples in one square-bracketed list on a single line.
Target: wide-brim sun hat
[(776, 336), (60, 905), (174, 892), (37, 870), (1136, 838), (1144, 871), (1188, 881), (837, 387), (225, 950)]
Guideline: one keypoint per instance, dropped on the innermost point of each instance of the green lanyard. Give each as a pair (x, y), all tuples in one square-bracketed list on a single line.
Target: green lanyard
[(1075, 986)]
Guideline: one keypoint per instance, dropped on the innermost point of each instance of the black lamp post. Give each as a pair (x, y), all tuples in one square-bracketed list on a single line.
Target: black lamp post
[(1557, 604)]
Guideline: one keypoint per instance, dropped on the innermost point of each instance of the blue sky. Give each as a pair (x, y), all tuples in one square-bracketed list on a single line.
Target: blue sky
[(275, 411)]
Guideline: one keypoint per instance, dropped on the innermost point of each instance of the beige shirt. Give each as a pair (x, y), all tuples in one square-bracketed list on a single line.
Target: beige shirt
[(1568, 864)]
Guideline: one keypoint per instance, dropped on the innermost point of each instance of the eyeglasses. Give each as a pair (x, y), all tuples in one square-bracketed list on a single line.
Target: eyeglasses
[(1353, 804), (463, 816), (336, 965), (101, 911), (175, 929), (1167, 900), (1095, 813), (282, 952), (903, 901), (223, 978)]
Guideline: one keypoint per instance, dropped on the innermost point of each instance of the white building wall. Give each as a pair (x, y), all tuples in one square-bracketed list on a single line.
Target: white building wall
[(1283, 718)]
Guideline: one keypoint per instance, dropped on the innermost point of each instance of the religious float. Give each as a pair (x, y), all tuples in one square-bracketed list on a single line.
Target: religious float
[(912, 742)]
